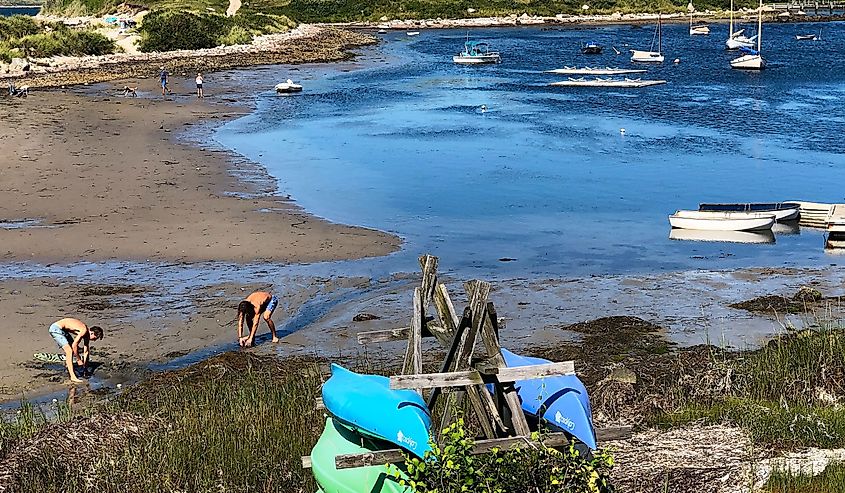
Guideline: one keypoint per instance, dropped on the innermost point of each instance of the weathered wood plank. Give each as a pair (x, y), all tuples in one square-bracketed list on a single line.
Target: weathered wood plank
[(445, 309), (465, 322), (428, 264), (488, 425), (416, 333), (551, 440), (473, 377)]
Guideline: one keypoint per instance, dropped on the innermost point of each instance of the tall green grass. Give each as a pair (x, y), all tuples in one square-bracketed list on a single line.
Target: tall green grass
[(832, 479)]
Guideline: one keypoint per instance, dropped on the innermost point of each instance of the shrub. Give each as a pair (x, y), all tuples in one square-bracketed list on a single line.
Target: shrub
[(63, 42), (167, 30), (451, 468), (236, 36), (17, 26)]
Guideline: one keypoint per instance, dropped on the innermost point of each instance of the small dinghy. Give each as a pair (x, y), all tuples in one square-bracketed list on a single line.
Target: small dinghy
[(337, 439), (287, 87), (560, 401), (367, 405), (783, 211), (722, 221)]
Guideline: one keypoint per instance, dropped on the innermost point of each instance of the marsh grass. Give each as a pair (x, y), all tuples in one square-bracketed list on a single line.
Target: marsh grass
[(237, 422), (830, 480)]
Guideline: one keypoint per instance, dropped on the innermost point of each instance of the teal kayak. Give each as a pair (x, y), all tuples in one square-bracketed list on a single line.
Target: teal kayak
[(560, 401), (337, 440), (367, 405)]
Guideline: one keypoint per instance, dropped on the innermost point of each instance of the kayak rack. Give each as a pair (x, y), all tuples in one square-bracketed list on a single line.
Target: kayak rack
[(462, 376)]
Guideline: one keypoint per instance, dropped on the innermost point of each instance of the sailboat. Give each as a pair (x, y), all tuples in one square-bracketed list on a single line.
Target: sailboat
[(736, 40), (752, 60), (698, 29), (651, 55)]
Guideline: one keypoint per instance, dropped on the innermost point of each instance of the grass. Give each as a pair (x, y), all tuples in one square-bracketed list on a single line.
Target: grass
[(21, 36), (233, 423), (831, 479)]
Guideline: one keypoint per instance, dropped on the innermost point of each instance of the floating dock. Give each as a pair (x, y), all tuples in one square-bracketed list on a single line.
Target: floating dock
[(814, 214), (607, 83)]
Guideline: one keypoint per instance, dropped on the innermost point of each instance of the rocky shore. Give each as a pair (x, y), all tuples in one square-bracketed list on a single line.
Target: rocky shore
[(305, 44)]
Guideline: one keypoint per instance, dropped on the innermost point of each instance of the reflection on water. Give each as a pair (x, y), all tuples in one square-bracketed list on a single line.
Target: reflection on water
[(545, 175), (787, 228), (722, 236)]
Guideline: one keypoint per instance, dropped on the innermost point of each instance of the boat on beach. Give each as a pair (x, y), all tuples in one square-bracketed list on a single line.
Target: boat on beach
[(756, 237), (752, 60), (595, 71), (337, 439), (287, 87), (722, 221), (367, 405), (476, 53), (651, 56), (783, 211), (598, 82), (560, 401)]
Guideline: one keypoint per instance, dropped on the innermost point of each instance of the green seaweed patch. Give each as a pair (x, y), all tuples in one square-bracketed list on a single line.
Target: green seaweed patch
[(806, 299)]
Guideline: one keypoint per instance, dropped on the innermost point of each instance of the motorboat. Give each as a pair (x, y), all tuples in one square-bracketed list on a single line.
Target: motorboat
[(367, 405), (722, 221), (755, 237), (287, 87), (595, 71), (783, 211), (591, 48), (808, 37), (753, 59), (476, 53), (651, 56), (599, 82)]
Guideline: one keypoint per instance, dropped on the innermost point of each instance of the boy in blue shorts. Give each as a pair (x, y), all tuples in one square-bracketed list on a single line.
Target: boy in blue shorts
[(259, 304), (69, 334)]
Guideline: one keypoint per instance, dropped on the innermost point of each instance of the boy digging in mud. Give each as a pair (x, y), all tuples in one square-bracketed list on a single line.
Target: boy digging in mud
[(69, 333), (250, 311)]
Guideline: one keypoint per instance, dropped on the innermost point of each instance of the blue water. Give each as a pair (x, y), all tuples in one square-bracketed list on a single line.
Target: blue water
[(545, 176), (7, 11)]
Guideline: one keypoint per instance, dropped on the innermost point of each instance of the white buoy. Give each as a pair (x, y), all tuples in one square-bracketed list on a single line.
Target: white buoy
[(484, 108), (119, 385), (622, 131), (677, 61)]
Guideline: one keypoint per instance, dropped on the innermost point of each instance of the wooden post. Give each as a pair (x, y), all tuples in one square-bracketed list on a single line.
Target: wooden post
[(428, 264), (413, 353)]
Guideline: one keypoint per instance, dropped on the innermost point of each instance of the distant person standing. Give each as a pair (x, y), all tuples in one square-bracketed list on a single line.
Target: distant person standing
[(69, 334), (163, 78), (199, 85), (250, 311)]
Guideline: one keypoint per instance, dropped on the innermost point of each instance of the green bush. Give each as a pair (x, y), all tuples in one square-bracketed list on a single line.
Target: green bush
[(17, 26), (63, 42), (168, 30), (236, 36), (451, 468)]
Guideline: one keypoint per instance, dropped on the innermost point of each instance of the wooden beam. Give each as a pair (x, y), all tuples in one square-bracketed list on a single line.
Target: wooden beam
[(416, 332), (428, 264), (465, 322), (473, 377), (445, 309), (552, 440)]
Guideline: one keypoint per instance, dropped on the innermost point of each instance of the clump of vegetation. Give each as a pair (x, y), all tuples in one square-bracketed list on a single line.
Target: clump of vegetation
[(74, 8), (168, 30), (451, 468), (21, 36), (831, 479)]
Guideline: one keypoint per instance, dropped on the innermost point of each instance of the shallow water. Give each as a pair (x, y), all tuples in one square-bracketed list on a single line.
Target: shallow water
[(545, 175)]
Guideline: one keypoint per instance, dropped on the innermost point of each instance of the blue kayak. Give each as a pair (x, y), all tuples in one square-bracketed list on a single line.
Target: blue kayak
[(367, 405), (561, 401)]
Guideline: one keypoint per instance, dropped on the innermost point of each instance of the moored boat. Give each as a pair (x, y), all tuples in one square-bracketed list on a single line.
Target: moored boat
[(783, 211), (752, 59), (476, 53), (591, 48), (337, 439), (560, 401), (288, 86), (722, 221), (651, 56), (367, 405)]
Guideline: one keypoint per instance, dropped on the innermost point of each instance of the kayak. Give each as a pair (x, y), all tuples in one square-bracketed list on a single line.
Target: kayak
[(367, 405), (337, 440), (560, 401)]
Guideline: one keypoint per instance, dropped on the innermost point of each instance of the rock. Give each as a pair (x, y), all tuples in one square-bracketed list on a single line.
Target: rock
[(523, 16), (19, 65), (363, 317), (622, 374)]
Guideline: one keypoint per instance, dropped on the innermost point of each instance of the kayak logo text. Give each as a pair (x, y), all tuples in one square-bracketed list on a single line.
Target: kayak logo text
[(410, 442), (562, 420)]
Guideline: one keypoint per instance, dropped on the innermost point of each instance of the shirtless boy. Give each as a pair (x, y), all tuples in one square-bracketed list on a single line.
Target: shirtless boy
[(250, 311), (69, 333)]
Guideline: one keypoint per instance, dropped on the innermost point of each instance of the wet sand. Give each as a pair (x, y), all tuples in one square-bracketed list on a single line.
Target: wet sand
[(88, 176)]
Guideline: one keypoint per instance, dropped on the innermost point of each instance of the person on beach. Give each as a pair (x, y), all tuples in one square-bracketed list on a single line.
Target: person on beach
[(163, 78), (199, 85), (69, 334), (250, 311)]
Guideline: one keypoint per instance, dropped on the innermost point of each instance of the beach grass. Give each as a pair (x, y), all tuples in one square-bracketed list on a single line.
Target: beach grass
[(830, 480)]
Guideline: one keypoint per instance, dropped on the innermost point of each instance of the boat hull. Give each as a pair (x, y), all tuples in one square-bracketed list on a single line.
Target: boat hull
[(738, 42), (476, 59), (722, 221), (749, 62), (560, 401), (608, 83), (646, 56), (699, 31), (784, 211), (367, 405), (287, 89), (337, 439)]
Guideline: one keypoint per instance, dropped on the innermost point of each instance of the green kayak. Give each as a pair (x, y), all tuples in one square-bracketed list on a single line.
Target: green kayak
[(338, 440)]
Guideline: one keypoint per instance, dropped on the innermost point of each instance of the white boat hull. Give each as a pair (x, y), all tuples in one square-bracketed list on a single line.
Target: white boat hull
[(738, 42), (699, 31), (749, 62), (722, 221), (646, 56), (476, 60), (288, 88), (626, 83), (785, 212)]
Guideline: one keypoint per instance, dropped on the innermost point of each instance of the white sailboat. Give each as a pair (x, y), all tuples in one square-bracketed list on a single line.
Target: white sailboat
[(753, 60), (736, 40), (698, 29), (651, 56)]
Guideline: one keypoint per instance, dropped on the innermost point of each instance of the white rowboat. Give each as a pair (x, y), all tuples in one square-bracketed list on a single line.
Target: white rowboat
[(783, 211), (288, 86), (722, 221)]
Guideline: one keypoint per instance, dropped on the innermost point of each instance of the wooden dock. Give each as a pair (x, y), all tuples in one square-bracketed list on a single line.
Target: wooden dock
[(836, 219)]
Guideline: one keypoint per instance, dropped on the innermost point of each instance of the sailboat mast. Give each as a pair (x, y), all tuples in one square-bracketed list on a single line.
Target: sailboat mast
[(759, 26), (660, 34)]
